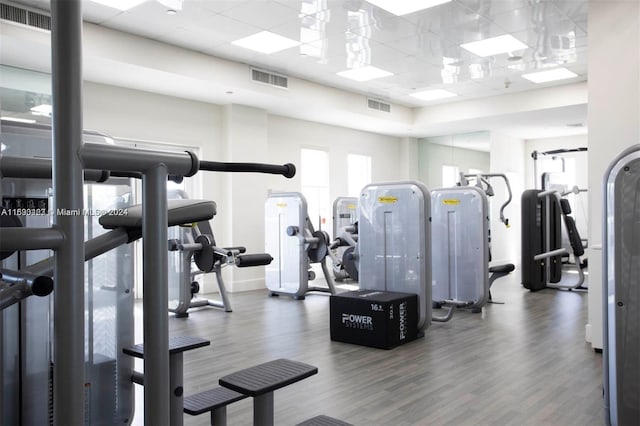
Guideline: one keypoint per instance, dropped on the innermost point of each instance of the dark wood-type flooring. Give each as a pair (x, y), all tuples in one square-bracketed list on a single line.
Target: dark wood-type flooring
[(525, 362)]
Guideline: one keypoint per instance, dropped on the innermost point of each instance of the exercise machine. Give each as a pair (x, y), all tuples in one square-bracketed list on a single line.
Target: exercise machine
[(621, 289), (195, 253), (32, 351), (459, 247), (483, 182), (294, 244), (554, 154), (394, 249), (345, 234), (542, 249)]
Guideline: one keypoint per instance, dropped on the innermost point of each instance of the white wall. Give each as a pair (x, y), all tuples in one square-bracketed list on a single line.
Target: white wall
[(433, 156), (287, 136), (614, 120), (239, 133)]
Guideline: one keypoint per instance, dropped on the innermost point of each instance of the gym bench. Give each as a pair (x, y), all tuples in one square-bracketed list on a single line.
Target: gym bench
[(262, 380)]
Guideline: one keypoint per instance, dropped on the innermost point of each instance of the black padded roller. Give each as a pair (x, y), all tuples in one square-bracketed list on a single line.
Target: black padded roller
[(247, 260)]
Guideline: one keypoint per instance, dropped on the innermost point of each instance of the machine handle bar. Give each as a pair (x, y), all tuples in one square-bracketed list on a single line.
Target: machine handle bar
[(287, 170)]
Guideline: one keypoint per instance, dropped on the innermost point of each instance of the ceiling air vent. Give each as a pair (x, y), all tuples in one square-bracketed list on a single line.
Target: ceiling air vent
[(24, 16), (269, 78), (379, 105)]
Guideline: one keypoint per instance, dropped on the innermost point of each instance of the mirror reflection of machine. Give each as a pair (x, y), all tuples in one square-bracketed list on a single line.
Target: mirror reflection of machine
[(345, 234), (26, 327)]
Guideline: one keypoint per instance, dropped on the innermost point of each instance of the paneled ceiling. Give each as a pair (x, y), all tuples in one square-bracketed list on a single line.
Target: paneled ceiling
[(421, 49)]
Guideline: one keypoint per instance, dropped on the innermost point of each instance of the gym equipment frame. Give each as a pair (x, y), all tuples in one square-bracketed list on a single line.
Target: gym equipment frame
[(294, 245), (459, 247), (542, 239), (66, 237), (621, 288), (394, 246)]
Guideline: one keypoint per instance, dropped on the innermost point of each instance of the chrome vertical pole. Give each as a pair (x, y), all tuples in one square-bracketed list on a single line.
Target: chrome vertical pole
[(155, 300), (66, 70)]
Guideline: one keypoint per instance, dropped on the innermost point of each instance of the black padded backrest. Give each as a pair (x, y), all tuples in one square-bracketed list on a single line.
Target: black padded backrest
[(566, 207), (574, 236), (180, 212), (205, 229)]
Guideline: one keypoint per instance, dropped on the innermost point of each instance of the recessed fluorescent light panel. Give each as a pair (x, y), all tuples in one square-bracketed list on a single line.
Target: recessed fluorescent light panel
[(120, 4), (549, 75), (432, 95), (266, 42), (364, 73), (405, 7), (494, 45), (18, 120)]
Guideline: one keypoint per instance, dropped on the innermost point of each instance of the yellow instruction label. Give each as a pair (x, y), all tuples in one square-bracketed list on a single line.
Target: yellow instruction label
[(387, 200), (281, 204), (451, 202), (351, 206)]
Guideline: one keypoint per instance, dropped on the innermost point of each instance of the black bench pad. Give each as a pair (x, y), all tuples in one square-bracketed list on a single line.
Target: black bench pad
[(502, 269), (210, 400), (267, 377), (179, 212), (323, 420), (176, 344)]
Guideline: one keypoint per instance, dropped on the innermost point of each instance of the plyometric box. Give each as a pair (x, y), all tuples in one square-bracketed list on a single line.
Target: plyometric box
[(374, 318)]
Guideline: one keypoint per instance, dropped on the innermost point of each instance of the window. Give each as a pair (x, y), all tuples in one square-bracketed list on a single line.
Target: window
[(314, 176), (450, 176), (358, 173)]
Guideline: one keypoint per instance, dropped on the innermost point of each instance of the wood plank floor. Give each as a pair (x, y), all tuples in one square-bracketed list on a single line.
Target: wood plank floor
[(521, 363)]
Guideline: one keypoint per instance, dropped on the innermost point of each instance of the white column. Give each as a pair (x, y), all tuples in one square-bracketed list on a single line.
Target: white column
[(506, 156), (245, 137), (409, 157), (614, 120)]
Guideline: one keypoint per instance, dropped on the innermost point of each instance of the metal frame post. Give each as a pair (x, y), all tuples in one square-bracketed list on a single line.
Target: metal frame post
[(66, 70), (156, 298), (176, 381)]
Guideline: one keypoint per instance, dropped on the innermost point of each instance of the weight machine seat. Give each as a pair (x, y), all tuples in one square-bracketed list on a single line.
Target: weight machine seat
[(502, 269), (180, 212), (572, 230)]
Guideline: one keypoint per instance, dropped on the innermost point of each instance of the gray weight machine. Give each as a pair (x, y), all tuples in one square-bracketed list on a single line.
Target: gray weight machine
[(483, 183), (294, 244), (621, 289), (195, 253), (460, 249), (395, 246), (542, 239), (345, 234), (29, 359)]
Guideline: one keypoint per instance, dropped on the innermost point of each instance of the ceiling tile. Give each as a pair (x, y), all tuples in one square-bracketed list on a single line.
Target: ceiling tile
[(262, 14), (422, 49)]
